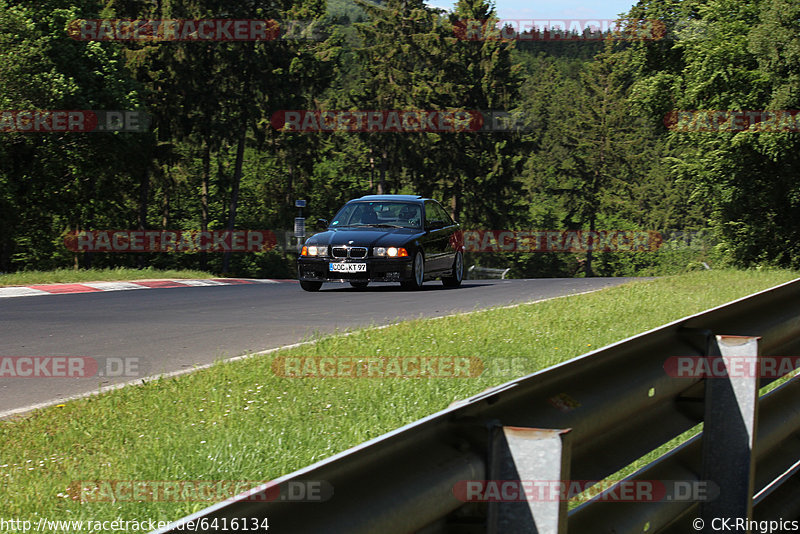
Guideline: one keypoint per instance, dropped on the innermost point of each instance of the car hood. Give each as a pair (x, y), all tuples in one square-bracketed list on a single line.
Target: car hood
[(365, 237)]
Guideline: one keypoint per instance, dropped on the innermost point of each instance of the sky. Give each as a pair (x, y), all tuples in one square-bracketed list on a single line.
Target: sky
[(553, 9)]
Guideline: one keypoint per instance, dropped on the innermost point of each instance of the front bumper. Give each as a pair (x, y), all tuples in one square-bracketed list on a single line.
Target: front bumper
[(378, 270)]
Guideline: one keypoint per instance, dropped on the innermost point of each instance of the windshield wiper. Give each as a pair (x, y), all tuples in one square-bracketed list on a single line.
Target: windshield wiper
[(378, 225)]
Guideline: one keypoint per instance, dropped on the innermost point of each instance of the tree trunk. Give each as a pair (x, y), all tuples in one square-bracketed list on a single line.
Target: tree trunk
[(144, 195), (237, 177), (588, 265), (457, 201), (289, 202), (204, 198), (382, 182)]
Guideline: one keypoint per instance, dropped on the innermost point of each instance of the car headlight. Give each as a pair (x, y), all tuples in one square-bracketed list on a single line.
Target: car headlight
[(392, 252), (313, 250)]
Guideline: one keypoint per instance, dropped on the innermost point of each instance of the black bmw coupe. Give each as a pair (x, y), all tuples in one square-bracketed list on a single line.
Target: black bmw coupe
[(384, 238)]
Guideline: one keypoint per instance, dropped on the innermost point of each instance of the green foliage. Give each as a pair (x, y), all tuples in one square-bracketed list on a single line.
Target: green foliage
[(594, 151), (731, 56)]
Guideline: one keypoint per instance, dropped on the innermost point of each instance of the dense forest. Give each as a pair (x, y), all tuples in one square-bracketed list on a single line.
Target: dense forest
[(598, 143)]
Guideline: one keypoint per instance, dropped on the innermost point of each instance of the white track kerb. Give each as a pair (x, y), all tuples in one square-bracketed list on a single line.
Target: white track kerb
[(95, 287)]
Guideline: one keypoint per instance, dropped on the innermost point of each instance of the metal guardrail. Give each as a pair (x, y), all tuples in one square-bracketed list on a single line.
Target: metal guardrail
[(583, 419), (490, 271)]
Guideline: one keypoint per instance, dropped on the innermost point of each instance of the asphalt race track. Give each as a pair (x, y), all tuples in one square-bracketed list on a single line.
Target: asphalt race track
[(175, 329)]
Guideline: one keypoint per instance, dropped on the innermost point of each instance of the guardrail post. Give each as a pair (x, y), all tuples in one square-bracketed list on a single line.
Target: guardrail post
[(541, 457), (729, 429)]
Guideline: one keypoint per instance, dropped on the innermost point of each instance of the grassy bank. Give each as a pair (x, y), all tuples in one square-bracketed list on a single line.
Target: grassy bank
[(239, 421)]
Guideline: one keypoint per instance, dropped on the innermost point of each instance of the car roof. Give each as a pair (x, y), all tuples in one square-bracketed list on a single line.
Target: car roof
[(403, 198)]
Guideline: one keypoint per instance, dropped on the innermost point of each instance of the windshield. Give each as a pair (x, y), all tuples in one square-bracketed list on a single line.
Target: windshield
[(379, 214)]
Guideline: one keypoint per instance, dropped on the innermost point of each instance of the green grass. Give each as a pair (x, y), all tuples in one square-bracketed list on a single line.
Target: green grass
[(238, 421), (24, 278)]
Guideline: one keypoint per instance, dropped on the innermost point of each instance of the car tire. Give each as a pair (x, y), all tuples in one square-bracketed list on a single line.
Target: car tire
[(417, 273), (359, 285), (456, 273), (310, 285)]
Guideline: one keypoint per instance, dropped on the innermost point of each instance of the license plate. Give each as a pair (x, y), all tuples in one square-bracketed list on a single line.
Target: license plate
[(348, 267)]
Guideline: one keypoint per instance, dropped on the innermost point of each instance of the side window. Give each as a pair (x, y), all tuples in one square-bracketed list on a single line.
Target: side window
[(430, 213), (442, 215), (435, 212)]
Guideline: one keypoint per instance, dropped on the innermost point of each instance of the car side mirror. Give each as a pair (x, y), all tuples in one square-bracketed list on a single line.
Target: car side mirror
[(322, 224), (435, 224)]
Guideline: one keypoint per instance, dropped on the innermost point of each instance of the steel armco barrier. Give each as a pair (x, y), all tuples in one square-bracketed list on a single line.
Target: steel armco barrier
[(584, 419)]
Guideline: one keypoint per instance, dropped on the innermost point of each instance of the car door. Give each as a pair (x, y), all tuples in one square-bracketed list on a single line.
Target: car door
[(450, 228), (437, 237)]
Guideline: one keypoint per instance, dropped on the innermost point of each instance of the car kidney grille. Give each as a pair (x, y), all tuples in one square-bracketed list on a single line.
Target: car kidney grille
[(358, 252), (354, 252)]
